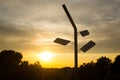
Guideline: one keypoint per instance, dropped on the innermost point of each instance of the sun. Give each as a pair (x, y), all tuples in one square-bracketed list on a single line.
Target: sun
[(46, 56)]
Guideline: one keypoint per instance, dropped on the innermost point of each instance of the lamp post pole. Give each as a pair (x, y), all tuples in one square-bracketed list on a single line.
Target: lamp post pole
[(75, 41)]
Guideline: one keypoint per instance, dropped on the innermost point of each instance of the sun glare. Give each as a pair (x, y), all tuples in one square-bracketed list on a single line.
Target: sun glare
[(46, 56)]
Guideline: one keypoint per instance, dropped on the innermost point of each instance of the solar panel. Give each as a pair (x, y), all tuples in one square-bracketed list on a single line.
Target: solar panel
[(61, 41), (84, 33), (87, 46)]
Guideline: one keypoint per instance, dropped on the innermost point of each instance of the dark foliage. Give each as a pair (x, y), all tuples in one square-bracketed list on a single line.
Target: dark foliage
[(102, 65), (114, 72), (13, 68), (87, 71), (10, 58)]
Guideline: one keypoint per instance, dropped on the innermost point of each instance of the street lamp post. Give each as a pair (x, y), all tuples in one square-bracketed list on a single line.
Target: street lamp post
[(85, 48), (75, 40)]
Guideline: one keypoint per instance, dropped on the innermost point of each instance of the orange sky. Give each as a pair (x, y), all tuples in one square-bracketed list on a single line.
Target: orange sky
[(67, 60)]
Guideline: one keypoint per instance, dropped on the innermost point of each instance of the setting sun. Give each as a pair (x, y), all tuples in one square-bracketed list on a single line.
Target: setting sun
[(46, 56)]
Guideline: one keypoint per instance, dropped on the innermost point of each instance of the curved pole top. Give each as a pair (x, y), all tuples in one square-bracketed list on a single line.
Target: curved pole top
[(69, 17)]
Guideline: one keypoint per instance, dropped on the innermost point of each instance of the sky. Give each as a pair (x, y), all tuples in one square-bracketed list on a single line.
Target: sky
[(31, 26)]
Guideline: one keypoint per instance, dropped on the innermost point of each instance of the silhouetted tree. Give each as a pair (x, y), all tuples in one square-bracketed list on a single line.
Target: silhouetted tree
[(114, 72), (102, 65), (29, 72), (116, 66), (12, 68), (87, 71), (9, 63), (94, 71), (10, 58)]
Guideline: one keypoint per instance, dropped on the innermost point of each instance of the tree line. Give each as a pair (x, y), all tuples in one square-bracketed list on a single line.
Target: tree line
[(13, 68)]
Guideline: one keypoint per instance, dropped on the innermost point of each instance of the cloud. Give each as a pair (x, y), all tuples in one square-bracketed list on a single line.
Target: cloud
[(16, 36), (95, 11), (34, 22), (102, 19)]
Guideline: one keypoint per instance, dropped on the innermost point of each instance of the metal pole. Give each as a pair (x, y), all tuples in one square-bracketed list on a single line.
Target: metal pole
[(75, 40)]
